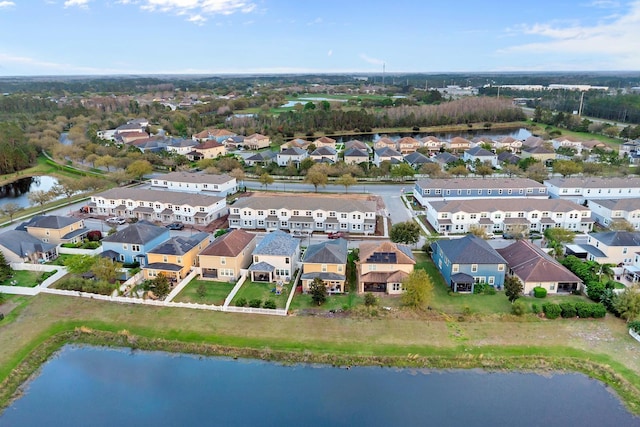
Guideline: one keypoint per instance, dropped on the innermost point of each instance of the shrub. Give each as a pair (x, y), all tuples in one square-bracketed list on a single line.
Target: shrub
[(568, 310), (535, 308), (241, 302), (255, 303), (635, 326), (539, 292), (271, 304), (370, 299), (551, 310), (518, 308), (599, 311), (91, 245), (134, 264), (94, 235), (584, 309)]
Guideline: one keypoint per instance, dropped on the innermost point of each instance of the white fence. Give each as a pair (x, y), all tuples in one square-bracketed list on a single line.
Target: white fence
[(235, 289), (78, 251), (180, 286), (634, 334)]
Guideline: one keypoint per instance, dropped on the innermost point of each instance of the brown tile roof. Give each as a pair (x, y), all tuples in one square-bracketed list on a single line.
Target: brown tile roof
[(532, 264), (208, 145), (325, 140), (402, 252), (230, 244)]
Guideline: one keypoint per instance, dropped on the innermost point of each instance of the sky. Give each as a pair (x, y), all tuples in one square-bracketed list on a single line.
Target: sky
[(105, 37)]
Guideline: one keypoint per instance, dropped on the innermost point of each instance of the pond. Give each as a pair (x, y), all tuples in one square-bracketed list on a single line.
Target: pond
[(18, 191), (95, 386)]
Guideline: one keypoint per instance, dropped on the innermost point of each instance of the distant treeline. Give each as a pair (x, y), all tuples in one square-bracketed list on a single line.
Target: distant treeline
[(15, 153)]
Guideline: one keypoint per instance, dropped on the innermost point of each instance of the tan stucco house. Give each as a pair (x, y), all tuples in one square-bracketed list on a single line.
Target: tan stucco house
[(227, 255)]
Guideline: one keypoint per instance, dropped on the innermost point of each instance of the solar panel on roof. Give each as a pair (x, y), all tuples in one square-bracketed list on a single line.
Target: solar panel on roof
[(383, 258)]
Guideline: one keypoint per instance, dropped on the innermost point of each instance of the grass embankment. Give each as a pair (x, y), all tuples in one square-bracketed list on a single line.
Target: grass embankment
[(263, 292), (599, 348)]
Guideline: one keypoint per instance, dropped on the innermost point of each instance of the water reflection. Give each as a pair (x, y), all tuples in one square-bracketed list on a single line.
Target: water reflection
[(18, 191)]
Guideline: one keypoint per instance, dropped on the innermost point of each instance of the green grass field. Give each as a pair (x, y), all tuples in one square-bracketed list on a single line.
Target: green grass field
[(334, 302), (263, 292), (24, 278), (215, 294)]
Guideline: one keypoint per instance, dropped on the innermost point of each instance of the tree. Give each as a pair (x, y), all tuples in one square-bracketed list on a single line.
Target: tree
[(105, 161), (238, 174), (433, 170), (159, 286), (483, 170), (459, 170), (10, 209), (627, 303), (119, 177), (79, 264), (591, 168), (106, 269), (5, 268), (511, 170), (40, 197), (537, 171), (347, 180), (478, 231), (370, 299), (405, 232), (318, 291), (201, 291), (139, 168), (566, 167), (265, 179), (402, 170), (513, 288), (621, 225), (559, 235), (317, 176), (418, 289)]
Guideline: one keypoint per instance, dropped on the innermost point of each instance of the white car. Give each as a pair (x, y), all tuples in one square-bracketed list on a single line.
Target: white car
[(116, 220)]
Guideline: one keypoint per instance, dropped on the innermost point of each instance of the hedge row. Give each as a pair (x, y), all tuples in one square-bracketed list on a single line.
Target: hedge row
[(569, 309)]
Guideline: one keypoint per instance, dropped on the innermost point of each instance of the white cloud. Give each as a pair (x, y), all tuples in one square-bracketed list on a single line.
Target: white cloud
[(614, 41), (6, 4), (370, 60), (330, 52), (197, 11), (83, 4), (604, 4)]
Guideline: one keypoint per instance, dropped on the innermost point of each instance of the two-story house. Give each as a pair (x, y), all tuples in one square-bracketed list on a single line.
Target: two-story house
[(356, 156), (132, 243), (20, 246), (304, 213), (324, 154), (325, 141), (292, 155), (210, 149), (175, 257), (219, 185), (387, 154), (609, 211), (586, 188), (155, 205), (458, 144), (612, 247), (383, 266), (227, 255), (256, 141), (275, 258), (327, 261), (407, 145), (217, 135), (467, 261), (480, 155), (56, 229)]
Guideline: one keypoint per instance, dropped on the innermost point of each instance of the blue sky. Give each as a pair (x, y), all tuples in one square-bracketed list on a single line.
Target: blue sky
[(78, 37)]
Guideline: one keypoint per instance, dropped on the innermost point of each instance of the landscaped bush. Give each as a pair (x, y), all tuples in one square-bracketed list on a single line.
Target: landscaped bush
[(44, 276), (484, 288), (599, 311), (91, 245), (539, 292), (271, 304), (241, 302), (635, 326), (519, 308), (568, 310), (134, 264), (584, 309), (94, 235), (255, 303), (71, 245), (535, 308), (90, 286), (551, 310), (370, 299)]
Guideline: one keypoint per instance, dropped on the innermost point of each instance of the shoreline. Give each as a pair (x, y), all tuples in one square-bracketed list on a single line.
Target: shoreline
[(491, 360)]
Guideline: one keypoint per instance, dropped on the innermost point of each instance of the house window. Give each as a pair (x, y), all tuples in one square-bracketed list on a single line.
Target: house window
[(324, 268), (500, 267), (396, 286), (474, 268), (223, 261), (287, 260), (455, 268), (492, 280), (135, 248), (165, 258), (372, 267), (125, 246)]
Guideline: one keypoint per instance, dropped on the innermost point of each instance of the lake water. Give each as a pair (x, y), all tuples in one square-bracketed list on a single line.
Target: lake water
[(18, 192), (83, 386)]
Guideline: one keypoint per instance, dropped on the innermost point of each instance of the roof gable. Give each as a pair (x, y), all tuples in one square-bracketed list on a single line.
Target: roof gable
[(328, 252), (229, 244), (470, 250)]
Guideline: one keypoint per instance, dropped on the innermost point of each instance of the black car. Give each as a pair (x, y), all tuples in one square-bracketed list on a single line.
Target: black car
[(175, 226)]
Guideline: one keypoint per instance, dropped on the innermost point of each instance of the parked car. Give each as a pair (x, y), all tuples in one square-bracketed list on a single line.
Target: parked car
[(175, 226), (337, 235), (116, 220)]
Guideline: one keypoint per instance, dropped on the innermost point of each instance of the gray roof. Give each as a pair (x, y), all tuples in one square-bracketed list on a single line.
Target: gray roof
[(509, 204), (305, 203), (470, 250), (462, 278), (179, 245), (140, 233), (183, 142), (628, 204), (416, 158), (163, 266), (595, 182), (74, 233), (327, 252), (160, 196), (198, 178), (262, 156), (479, 152), (593, 251), (323, 276), (618, 238), (293, 151), (324, 151), (54, 222), (262, 266), (23, 244), (478, 183), (446, 157), (356, 152), (540, 149), (387, 152), (277, 243)]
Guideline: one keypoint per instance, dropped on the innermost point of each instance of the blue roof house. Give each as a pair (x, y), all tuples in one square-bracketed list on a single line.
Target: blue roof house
[(275, 258), (133, 242), (467, 261)]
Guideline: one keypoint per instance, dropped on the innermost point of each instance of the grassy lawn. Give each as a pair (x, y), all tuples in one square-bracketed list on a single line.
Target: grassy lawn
[(24, 278), (262, 291), (216, 292), (334, 302)]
